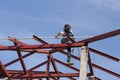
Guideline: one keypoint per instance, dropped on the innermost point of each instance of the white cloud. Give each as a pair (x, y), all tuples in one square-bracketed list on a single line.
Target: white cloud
[(112, 4)]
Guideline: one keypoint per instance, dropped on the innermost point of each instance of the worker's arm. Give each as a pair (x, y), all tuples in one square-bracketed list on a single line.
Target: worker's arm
[(60, 34), (57, 36)]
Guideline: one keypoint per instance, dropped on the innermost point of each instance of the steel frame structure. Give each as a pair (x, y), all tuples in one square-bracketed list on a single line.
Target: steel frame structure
[(49, 50)]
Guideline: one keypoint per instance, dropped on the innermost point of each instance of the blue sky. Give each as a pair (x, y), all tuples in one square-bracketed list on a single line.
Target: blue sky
[(45, 18)]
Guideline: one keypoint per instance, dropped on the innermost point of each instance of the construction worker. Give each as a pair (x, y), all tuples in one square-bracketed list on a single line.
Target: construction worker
[(67, 30)]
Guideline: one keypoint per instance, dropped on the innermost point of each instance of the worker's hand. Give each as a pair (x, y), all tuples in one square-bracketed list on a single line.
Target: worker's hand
[(57, 36)]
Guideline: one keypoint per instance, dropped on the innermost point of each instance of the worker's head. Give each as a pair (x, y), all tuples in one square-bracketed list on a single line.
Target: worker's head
[(67, 27)]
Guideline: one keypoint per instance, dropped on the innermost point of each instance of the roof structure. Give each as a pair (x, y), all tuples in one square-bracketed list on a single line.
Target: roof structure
[(48, 50)]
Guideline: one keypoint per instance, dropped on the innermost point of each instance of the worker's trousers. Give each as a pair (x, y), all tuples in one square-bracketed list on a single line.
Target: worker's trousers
[(69, 54)]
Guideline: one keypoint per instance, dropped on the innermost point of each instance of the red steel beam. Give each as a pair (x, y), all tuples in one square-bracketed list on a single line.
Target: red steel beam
[(97, 78), (39, 74), (54, 65), (90, 64), (106, 70), (48, 64), (44, 75), (103, 54), (15, 60), (36, 50), (37, 66), (102, 36), (22, 61), (3, 71), (77, 44), (20, 74), (39, 40), (73, 68), (16, 41)]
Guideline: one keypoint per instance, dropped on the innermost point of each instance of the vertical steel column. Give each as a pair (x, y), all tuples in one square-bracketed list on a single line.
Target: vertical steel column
[(83, 63), (91, 77)]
